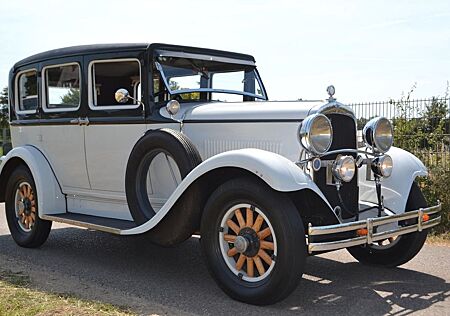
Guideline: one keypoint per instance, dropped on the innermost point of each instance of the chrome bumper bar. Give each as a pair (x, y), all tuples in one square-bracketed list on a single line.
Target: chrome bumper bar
[(365, 230)]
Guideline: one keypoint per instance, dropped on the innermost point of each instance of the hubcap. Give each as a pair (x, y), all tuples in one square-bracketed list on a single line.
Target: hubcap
[(248, 243), (241, 244)]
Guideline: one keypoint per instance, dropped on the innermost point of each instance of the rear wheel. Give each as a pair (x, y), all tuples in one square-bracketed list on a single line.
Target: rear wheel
[(254, 241), (22, 212), (396, 251)]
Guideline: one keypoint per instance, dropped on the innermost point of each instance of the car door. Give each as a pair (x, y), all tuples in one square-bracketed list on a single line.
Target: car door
[(113, 128), (62, 131)]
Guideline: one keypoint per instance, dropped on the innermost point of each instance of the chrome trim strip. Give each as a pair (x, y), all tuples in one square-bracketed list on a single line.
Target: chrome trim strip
[(333, 107), (338, 228), (370, 224), (337, 151), (81, 224)]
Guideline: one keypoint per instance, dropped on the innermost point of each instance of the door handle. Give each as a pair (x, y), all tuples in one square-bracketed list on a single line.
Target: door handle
[(80, 121), (83, 121)]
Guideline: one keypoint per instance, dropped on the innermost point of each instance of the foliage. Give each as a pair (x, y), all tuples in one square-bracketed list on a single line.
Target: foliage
[(185, 96), (72, 97), (422, 135), (435, 187), (4, 115)]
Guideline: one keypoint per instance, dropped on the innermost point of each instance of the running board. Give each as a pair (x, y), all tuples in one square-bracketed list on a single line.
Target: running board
[(109, 225)]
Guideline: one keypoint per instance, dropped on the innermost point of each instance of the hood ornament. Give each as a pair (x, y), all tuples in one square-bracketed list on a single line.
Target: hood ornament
[(331, 91)]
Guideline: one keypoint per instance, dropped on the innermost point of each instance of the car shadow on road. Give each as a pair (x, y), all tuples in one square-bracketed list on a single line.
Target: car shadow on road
[(178, 278)]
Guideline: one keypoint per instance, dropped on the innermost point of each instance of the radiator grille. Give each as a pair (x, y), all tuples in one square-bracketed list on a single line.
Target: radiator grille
[(344, 136)]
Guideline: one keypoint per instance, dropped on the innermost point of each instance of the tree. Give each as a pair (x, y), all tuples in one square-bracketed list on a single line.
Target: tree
[(72, 97), (4, 115)]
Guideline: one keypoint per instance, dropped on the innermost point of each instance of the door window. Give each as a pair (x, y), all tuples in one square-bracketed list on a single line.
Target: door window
[(109, 76), (27, 91), (62, 84)]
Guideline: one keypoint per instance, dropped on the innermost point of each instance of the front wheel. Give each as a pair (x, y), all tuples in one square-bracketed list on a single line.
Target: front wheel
[(394, 252), (254, 241), (22, 213)]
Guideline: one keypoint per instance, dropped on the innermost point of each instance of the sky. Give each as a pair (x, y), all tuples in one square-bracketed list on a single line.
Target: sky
[(369, 50)]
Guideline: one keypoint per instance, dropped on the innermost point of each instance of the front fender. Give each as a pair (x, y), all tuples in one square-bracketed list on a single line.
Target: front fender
[(51, 200), (277, 171), (395, 189)]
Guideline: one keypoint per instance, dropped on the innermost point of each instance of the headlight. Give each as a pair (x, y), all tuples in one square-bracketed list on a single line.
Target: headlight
[(316, 134), (344, 168), (382, 166), (378, 134)]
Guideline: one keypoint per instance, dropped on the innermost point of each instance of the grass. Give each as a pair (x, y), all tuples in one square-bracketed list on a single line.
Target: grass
[(18, 298), (439, 239)]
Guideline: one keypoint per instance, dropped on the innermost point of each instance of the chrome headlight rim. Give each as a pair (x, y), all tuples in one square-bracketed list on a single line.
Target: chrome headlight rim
[(371, 135), (338, 165), (382, 166), (305, 135)]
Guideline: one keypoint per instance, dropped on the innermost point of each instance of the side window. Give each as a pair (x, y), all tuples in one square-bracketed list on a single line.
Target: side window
[(62, 84), (27, 91), (109, 76)]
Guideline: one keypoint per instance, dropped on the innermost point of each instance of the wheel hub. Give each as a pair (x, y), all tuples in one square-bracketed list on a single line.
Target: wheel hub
[(248, 242), (26, 207), (241, 244), (21, 206), (252, 240)]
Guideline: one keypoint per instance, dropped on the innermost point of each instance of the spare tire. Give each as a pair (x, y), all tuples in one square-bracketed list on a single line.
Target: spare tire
[(157, 163)]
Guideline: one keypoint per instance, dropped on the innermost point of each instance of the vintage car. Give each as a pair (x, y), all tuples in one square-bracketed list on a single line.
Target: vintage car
[(173, 141)]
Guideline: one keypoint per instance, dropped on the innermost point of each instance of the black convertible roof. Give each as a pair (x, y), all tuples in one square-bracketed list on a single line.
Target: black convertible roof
[(121, 47)]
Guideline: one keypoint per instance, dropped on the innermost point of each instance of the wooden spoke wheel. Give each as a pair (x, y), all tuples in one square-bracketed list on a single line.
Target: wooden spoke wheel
[(22, 212), (253, 241), (25, 206), (248, 242)]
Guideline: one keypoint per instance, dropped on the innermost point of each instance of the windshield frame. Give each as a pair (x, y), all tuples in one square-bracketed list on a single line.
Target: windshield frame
[(159, 67)]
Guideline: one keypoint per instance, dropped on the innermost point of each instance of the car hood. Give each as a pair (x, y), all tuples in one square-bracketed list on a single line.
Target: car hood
[(246, 111)]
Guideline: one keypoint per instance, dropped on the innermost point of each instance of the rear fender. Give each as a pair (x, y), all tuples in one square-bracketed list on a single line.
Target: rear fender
[(51, 200)]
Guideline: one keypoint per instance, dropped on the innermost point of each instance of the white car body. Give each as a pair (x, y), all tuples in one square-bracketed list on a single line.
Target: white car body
[(81, 168)]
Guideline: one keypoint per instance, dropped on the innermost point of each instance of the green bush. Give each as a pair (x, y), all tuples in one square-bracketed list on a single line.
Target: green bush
[(425, 136), (436, 187)]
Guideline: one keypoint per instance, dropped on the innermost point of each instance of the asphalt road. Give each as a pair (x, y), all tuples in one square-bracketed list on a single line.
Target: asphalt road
[(129, 271)]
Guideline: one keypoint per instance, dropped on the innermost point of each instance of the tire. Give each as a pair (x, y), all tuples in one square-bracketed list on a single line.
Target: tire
[(246, 284), (405, 248), (169, 142), (27, 229)]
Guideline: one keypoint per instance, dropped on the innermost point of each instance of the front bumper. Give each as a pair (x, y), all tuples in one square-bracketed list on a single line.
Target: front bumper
[(365, 231)]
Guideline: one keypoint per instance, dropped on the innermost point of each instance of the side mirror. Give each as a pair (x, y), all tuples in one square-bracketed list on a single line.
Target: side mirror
[(122, 96)]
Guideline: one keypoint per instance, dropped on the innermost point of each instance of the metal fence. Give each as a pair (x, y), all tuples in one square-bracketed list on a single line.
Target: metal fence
[(404, 108), (429, 118)]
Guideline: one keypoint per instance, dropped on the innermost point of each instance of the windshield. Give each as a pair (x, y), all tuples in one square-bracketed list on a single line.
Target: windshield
[(192, 78)]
